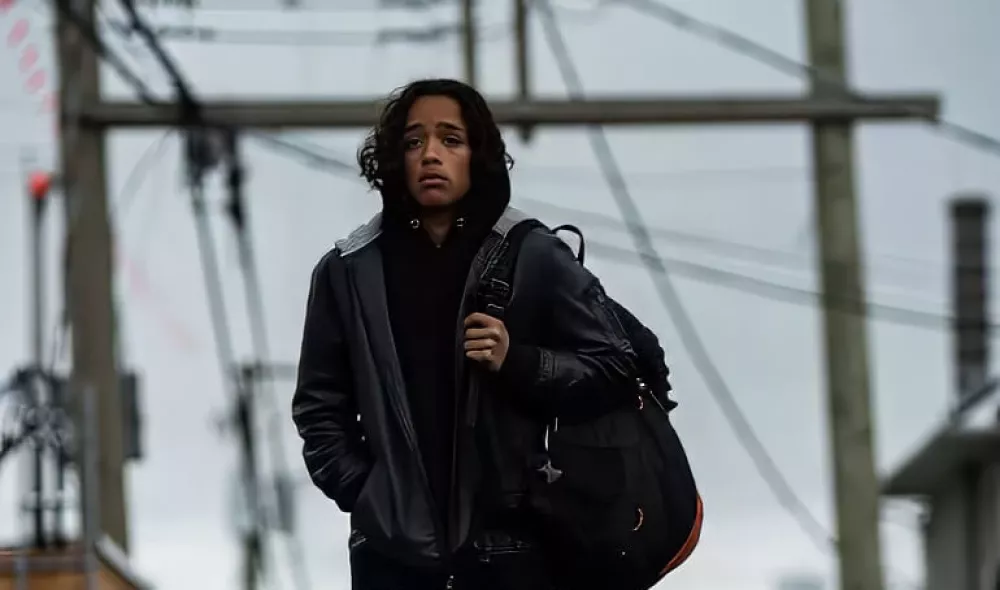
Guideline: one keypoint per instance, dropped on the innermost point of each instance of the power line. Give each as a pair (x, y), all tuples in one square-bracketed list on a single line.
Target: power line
[(429, 34), (757, 254), (238, 214), (761, 174), (311, 156), (185, 98), (106, 54), (295, 7), (686, 330), (745, 46), (139, 172), (323, 38), (768, 289), (130, 189), (771, 256)]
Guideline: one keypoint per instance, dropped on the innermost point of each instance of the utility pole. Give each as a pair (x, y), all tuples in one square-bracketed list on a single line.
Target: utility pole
[(469, 41), (253, 537), (37, 383), (521, 59), (253, 541), (856, 485), (89, 260)]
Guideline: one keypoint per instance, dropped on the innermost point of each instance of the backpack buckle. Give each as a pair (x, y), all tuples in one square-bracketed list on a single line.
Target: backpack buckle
[(494, 294)]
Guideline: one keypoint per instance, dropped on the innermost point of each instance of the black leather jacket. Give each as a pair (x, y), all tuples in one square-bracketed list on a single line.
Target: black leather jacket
[(350, 406)]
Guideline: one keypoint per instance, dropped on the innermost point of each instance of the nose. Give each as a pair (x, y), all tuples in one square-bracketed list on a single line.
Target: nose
[(430, 155)]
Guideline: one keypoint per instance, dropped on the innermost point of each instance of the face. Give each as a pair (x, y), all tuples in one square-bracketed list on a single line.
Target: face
[(437, 152)]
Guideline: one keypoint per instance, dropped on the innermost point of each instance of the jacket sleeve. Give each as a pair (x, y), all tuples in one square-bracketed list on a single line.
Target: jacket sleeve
[(324, 409), (588, 361)]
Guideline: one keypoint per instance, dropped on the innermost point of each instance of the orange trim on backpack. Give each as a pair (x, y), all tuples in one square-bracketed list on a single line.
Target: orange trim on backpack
[(692, 541)]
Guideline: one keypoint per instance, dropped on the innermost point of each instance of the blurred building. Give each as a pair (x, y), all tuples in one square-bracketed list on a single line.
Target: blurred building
[(955, 474)]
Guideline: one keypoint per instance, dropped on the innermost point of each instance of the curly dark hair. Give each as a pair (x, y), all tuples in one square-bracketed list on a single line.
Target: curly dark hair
[(381, 155)]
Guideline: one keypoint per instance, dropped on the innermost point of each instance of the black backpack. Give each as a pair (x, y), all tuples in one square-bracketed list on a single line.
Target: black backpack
[(616, 494)]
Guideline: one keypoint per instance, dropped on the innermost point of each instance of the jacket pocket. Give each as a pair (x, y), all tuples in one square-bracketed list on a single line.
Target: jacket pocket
[(356, 540), (364, 505)]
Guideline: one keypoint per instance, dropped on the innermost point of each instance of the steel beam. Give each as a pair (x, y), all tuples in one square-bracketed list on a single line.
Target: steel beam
[(311, 114)]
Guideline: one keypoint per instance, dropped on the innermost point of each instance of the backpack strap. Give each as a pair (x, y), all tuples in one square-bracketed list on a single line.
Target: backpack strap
[(495, 290), (581, 254), (496, 286), (497, 281)]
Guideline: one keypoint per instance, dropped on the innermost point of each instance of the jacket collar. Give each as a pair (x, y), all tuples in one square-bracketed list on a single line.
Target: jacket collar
[(366, 234)]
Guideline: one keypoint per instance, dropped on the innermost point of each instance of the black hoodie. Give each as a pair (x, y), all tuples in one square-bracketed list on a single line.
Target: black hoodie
[(424, 285)]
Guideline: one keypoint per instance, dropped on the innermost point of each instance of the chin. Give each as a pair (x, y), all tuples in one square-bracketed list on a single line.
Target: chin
[(436, 199)]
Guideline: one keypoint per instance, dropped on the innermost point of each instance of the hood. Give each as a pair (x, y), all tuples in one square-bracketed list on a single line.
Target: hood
[(481, 207)]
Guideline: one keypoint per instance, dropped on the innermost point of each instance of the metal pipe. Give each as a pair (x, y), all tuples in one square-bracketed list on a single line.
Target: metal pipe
[(289, 114), (36, 265), (970, 293)]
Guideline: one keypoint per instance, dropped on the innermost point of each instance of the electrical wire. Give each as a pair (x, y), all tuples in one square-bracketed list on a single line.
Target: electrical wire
[(768, 289), (669, 297), (239, 214), (219, 319), (313, 157), (139, 172), (91, 37), (310, 155), (106, 54), (796, 259), (757, 254), (745, 46), (324, 38), (60, 332), (185, 98), (343, 38)]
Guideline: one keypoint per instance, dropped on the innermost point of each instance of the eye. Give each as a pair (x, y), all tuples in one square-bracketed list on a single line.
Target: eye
[(453, 141), (410, 143)]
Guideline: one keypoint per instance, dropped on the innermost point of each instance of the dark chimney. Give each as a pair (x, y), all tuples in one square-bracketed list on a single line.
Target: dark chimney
[(970, 294)]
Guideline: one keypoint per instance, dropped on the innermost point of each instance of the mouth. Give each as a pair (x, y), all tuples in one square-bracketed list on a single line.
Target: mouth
[(432, 179)]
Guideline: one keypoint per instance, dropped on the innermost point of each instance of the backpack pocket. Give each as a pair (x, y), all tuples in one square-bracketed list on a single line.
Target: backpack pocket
[(584, 490)]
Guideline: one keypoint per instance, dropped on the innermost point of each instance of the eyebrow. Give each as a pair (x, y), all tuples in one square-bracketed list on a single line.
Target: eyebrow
[(442, 125)]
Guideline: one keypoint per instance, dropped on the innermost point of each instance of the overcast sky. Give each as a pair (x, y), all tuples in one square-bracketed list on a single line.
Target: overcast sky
[(743, 185)]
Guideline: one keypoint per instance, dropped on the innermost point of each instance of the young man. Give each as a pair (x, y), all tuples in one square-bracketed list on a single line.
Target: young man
[(421, 416)]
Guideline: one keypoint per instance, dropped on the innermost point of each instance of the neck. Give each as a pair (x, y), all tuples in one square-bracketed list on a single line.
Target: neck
[(437, 224)]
